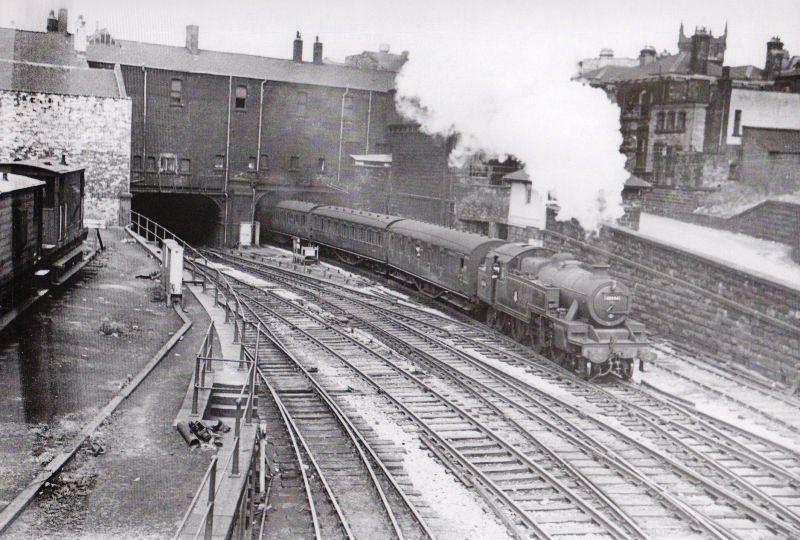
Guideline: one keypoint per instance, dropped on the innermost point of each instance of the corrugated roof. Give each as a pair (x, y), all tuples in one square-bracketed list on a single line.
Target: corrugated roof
[(783, 141), (52, 165), (172, 58), (14, 182), (51, 79)]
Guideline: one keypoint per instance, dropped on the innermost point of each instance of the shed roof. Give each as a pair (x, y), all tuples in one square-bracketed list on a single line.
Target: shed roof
[(518, 176), (459, 241), (357, 216), (52, 165), (636, 182), (52, 79), (173, 58), (15, 182)]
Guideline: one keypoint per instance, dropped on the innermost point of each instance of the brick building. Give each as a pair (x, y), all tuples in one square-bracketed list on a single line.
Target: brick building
[(771, 158), (52, 103), (678, 112), (230, 134)]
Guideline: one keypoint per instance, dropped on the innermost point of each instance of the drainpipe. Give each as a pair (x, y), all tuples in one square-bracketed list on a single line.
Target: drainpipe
[(227, 163), (341, 133), (260, 116), (144, 121), (369, 119)]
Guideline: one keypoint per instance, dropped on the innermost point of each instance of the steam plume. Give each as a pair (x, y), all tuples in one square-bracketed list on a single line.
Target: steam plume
[(512, 94)]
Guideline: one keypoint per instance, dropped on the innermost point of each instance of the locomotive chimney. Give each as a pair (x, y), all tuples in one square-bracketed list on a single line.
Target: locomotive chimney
[(297, 53)]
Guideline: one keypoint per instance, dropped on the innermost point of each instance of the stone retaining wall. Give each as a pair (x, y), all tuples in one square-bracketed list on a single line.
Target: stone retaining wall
[(697, 301)]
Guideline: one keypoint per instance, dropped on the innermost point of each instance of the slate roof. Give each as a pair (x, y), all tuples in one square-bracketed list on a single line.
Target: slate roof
[(15, 182), (782, 141), (46, 62), (172, 58)]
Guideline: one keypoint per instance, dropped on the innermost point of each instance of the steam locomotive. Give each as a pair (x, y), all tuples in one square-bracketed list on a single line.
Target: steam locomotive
[(572, 312)]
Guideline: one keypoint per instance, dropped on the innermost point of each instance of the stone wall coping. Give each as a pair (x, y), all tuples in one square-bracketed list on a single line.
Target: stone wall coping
[(708, 259)]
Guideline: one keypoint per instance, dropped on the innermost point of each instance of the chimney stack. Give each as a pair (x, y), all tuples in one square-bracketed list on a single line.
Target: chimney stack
[(52, 22), (297, 53), (63, 158), (317, 51), (80, 36), (773, 64), (192, 38), (62, 20), (647, 55), (701, 46)]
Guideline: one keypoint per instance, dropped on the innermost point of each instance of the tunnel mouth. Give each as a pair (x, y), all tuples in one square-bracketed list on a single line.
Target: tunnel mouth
[(193, 218)]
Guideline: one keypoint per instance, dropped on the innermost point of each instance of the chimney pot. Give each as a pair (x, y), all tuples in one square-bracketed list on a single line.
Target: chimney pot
[(317, 51), (192, 38), (52, 22), (297, 53), (63, 158), (5, 176), (62, 20)]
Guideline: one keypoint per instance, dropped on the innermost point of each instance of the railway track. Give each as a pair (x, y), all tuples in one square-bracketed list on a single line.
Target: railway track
[(346, 491), (761, 504)]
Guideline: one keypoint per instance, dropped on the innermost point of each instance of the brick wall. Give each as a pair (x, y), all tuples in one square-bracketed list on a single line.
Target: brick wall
[(676, 202), (697, 301), (94, 132)]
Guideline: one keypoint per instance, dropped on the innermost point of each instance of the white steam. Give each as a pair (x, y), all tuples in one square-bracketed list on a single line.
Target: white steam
[(511, 93)]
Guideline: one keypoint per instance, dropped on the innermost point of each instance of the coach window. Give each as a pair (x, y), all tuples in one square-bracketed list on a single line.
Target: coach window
[(176, 92), (241, 97), (185, 166)]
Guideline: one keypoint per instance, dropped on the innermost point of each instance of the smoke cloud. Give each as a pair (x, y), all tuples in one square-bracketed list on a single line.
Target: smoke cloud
[(509, 92)]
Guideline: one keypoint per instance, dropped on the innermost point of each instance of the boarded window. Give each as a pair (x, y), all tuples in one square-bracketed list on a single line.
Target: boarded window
[(219, 161), (176, 92), (151, 164), (263, 163), (185, 166), (241, 97), (137, 163), (294, 163)]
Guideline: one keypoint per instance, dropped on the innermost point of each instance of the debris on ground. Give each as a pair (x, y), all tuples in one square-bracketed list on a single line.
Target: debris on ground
[(111, 328), (153, 276)]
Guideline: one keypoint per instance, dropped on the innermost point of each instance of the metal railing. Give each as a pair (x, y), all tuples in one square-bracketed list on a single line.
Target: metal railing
[(226, 296)]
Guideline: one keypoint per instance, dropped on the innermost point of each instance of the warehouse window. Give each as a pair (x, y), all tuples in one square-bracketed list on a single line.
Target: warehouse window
[(151, 164), (302, 103), (185, 166), (264, 163), (176, 92), (294, 163), (137, 163), (219, 161), (321, 165), (737, 123), (251, 163), (241, 96), (166, 163)]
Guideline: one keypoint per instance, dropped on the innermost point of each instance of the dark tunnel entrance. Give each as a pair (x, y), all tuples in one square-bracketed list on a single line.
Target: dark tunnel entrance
[(194, 218)]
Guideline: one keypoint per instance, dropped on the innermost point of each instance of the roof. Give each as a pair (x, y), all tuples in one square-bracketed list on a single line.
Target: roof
[(173, 58), (357, 216), (376, 158), (781, 141), (636, 182), (789, 74), (52, 79), (52, 165), (459, 241), (383, 60), (299, 206), (39, 47), (518, 176), (16, 182), (507, 252)]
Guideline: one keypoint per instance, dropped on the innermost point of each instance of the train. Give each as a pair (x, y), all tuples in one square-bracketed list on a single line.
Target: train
[(576, 314), (41, 208)]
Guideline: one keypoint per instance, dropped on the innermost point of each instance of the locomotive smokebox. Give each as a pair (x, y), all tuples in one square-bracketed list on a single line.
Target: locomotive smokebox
[(600, 298)]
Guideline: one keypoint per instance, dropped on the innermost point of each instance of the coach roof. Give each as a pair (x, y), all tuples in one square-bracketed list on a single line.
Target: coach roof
[(459, 241), (361, 217), (297, 206)]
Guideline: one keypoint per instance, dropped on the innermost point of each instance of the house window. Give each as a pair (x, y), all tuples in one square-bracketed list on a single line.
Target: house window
[(528, 193), (302, 102), (294, 163), (321, 165), (185, 166), (660, 121), (219, 161), (137, 163), (347, 107), (681, 121), (251, 163), (175, 92), (241, 96), (671, 121), (166, 163), (737, 123), (151, 164), (264, 163)]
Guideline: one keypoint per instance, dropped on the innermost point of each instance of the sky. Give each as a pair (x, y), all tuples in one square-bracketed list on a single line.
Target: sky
[(267, 27)]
